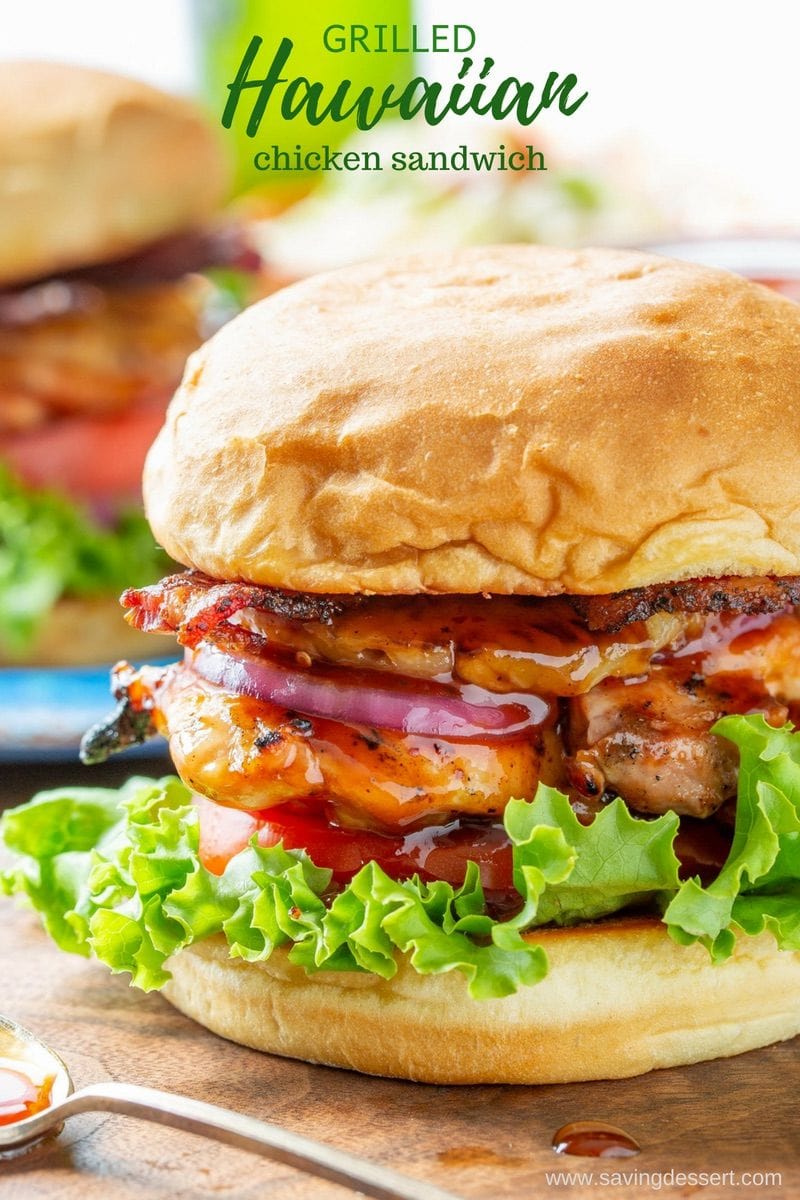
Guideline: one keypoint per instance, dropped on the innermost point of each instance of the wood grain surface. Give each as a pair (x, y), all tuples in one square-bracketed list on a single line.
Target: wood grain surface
[(737, 1115)]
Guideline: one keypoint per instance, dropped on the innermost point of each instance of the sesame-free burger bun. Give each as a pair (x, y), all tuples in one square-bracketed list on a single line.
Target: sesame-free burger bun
[(512, 419), (94, 166), (620, 998)]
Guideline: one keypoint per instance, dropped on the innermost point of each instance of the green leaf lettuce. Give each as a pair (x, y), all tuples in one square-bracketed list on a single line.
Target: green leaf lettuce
[(50, 547), (116, 875), (759, 886)]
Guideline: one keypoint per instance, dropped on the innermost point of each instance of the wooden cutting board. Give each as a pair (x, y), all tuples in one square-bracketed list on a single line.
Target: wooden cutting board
[(737, 1115)]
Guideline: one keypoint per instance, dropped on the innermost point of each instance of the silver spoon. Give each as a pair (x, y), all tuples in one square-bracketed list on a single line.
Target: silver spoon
[(39, 1062)]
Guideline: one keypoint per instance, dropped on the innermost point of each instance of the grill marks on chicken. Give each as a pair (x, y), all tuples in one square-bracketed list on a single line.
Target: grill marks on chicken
[(634, 714), (650, 741), (250, 754)]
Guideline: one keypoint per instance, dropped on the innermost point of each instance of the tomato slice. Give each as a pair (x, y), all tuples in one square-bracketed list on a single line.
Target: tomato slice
[(438, 852), (91, 458)]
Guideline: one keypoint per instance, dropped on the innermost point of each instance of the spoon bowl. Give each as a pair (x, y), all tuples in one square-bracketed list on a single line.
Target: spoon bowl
[(24, 1053)]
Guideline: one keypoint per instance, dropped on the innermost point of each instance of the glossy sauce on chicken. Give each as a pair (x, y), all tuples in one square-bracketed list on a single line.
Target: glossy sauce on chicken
[(626, 712)]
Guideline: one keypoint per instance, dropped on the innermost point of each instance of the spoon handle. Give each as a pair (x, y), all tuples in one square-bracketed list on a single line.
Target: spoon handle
[(246, 1133)]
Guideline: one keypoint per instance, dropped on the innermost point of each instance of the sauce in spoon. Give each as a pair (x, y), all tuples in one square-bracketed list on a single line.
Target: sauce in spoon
[(21, 1095)]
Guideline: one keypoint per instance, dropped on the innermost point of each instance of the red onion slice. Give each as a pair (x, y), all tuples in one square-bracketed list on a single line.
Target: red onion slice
[(431, 714)]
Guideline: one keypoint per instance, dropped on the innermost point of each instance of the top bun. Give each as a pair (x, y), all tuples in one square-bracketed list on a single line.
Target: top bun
[(511, 419), (93, 166)]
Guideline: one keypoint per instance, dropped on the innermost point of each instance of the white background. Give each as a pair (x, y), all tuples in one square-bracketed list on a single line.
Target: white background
[(707, 89)]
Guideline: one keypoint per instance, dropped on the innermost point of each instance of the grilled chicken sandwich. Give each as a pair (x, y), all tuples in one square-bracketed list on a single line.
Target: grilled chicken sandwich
[(109, 192), (491, 651)]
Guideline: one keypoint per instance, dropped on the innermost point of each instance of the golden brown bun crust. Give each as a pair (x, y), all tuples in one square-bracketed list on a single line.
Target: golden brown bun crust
[(620, 999), (93, 166), (510, 419), (85, 631)]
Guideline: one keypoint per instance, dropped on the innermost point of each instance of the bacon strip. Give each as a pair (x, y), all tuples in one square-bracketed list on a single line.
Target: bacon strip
[(172, 257), (193, 605), (161, 262), (757, 594)]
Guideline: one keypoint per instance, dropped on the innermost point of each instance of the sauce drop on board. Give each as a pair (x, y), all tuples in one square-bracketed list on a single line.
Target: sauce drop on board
[(595, 1139), (20, 1097)]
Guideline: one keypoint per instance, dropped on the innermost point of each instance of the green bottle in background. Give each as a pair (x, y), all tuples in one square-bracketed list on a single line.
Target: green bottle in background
[(223, 29)]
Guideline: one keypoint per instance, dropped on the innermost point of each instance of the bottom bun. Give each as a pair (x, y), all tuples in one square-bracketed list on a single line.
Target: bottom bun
[(80, 632), (621, 998)]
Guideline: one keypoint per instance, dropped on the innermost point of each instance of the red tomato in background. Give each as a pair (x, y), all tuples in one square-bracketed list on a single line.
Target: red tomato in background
[(91, 458)]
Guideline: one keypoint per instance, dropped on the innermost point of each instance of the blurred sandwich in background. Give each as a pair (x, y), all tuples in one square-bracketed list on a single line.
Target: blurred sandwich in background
[(115, 264)]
